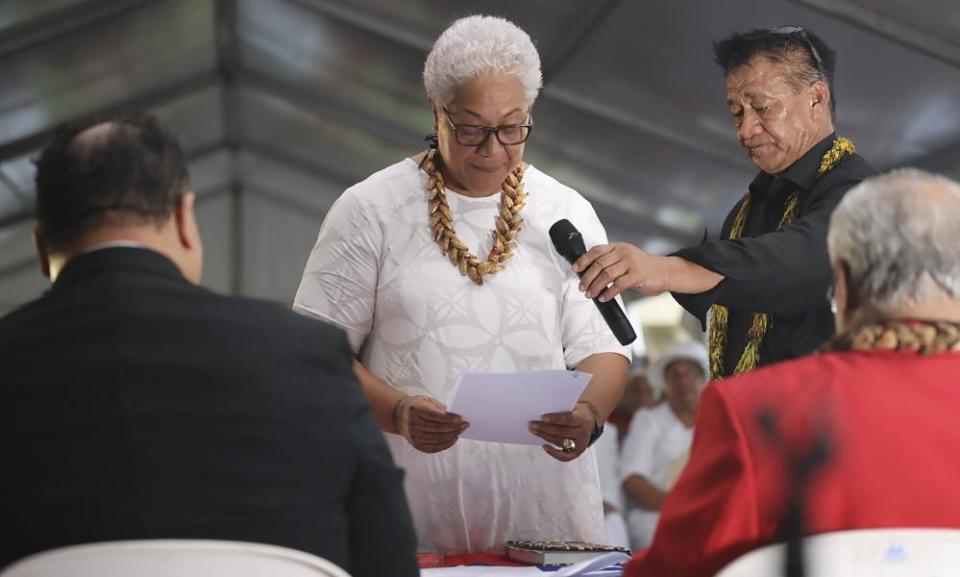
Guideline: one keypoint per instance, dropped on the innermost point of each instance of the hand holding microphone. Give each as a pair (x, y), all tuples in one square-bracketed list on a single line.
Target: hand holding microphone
[(569, 243), (607, 270)]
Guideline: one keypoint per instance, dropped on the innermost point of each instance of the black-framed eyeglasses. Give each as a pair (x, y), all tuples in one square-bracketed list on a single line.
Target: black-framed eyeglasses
[(476, 135), (793, 29)]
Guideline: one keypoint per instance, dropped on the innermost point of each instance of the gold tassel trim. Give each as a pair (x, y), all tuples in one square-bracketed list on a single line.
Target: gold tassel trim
[(719, 314)]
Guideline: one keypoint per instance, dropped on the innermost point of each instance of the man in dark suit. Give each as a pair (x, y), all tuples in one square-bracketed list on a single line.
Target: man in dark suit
[(136, 405)]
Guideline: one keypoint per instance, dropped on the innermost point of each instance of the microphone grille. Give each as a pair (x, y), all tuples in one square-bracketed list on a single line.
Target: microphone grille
[(562, 231)]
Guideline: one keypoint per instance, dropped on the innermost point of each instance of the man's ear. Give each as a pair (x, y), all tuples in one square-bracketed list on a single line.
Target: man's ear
[(847, 295), (188, 233), (820, 99), (42, 254)]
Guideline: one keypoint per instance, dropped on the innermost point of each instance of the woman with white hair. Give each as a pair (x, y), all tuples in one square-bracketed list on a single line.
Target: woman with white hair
[(440, 264), (658, 442)]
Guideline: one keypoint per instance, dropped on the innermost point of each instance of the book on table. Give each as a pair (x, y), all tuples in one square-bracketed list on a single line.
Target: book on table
[(557, 552)]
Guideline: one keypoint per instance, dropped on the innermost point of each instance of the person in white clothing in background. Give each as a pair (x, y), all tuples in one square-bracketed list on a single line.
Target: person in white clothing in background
[(440, 264), (658, 444), (608, 464)]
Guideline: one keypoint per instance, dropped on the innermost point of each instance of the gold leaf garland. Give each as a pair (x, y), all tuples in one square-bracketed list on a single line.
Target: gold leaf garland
[(719, 314), (920, 336), (508, 221)]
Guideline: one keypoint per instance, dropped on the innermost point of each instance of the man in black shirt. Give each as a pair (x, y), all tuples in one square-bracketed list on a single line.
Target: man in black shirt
[(764, 281)]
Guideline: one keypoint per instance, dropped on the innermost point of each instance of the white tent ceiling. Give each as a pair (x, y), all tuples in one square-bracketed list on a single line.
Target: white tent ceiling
[(280, 104)]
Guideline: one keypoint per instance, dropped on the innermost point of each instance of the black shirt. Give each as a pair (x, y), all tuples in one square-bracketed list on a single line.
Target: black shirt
[(784, 273)]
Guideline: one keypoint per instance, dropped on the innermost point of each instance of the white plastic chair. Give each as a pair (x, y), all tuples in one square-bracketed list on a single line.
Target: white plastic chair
[(861, 553), (173, 558)]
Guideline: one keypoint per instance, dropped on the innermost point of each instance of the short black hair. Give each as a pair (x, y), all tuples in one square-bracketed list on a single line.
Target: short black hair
[(782, 47), (133, 173)]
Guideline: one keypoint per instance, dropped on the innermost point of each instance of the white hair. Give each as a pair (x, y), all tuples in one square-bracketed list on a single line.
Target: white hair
[(900, 235), (478, 44)]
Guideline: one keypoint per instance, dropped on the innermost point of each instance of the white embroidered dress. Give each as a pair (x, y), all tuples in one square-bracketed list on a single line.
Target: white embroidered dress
[(418, 324)]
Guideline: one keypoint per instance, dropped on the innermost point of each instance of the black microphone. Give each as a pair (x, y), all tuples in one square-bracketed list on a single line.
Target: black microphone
[(568, 242)]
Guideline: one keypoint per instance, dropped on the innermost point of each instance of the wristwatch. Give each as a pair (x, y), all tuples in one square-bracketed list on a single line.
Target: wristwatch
[(597, 422)]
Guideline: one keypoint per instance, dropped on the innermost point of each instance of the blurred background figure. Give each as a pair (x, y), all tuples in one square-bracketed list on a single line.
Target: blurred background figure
[(639, 393), (656, 448), (607, 450), (645, 395)]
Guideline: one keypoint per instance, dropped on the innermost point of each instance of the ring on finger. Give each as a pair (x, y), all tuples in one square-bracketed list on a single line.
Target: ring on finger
[(568, 445)]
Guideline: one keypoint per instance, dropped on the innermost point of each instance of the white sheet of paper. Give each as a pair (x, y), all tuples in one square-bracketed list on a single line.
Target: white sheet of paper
[(600, 565), (499, 406), (607, 565)]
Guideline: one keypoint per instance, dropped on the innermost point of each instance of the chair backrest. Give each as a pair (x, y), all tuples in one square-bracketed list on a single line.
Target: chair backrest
[(173, 558), (861, 553)]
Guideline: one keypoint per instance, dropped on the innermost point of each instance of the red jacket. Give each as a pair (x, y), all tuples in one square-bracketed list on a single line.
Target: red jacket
[(894, 421)]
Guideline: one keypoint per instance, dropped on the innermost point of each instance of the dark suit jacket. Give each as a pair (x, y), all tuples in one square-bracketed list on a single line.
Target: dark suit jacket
[(135, 405)]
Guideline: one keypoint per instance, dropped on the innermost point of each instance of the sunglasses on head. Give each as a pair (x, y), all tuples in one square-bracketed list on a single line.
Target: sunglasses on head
[(800, 32)]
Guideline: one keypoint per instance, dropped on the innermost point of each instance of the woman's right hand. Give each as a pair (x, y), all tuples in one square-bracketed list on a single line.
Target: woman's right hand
[(426, 423)]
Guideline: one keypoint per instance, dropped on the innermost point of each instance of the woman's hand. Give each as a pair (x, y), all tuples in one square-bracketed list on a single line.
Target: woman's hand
[(426, 423), (569, 431)]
